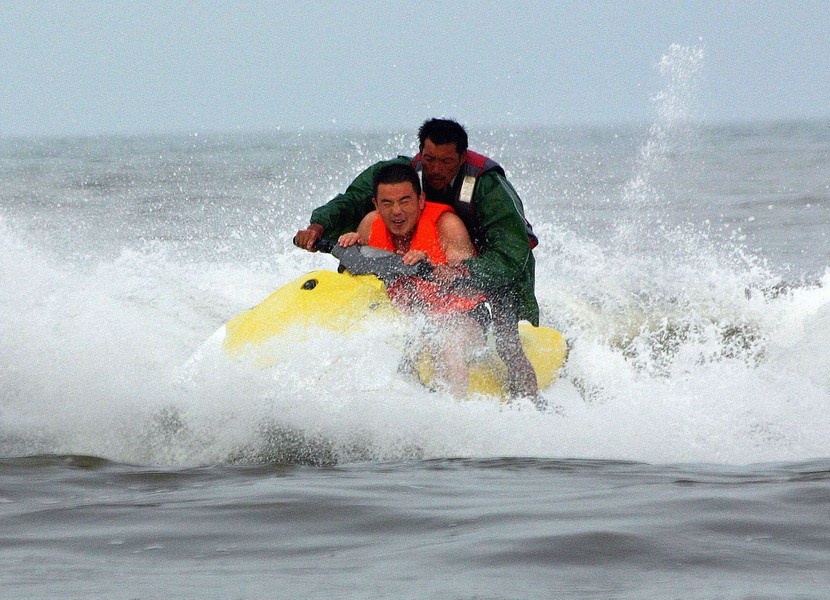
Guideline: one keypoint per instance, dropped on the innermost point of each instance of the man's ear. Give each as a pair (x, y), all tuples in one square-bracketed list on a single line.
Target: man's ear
[(464, 156), (375, 202), (422, 200)]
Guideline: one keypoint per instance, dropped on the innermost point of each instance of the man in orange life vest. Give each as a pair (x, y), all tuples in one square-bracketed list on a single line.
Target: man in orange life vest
[(403, 222), (476, 187)]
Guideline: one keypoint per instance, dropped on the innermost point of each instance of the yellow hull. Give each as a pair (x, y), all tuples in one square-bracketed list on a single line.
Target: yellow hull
[(343, 302)]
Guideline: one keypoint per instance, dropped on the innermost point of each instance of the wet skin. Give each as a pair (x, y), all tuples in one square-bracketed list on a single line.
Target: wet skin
[(441, 163), (399, 207)]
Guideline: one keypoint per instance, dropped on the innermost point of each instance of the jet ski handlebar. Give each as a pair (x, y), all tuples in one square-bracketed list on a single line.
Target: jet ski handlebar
[(366, 260)]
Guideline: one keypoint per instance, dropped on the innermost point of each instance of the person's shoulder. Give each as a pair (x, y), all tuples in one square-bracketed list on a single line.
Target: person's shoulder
[(453, 234), (488, 183), (449, 221), (493, 177), (369, 217), (435, 211)]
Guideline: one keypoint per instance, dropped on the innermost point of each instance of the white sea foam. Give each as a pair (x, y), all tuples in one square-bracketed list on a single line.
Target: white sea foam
[(685, 345), (94, 366)]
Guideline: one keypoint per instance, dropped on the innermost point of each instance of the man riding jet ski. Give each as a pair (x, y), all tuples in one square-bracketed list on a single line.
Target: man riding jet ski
[(477, 189), (404, 223)]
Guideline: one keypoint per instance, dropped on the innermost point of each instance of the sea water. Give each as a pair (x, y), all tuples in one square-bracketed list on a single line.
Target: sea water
[(685, 454)]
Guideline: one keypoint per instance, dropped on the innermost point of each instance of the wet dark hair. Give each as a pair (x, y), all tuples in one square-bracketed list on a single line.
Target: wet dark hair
[(396, 173), (443, 131)]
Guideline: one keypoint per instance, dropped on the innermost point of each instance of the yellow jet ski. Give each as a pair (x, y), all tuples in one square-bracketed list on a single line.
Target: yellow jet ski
[(348, 299)]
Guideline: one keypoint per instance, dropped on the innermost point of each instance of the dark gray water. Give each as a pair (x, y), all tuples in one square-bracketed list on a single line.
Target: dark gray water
[(75, 526)]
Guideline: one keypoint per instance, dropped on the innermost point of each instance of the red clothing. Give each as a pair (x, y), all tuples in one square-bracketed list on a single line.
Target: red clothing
[(408, 292), (425, 238)]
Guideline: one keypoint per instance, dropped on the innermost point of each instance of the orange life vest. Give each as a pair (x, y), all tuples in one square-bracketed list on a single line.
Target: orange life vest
[(408, 292)]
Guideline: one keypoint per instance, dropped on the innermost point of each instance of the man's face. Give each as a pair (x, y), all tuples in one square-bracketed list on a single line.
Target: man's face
[(399, 207), (441, 163)]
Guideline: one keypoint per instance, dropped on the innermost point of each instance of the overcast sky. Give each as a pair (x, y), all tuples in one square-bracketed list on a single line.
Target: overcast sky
[(83, 67)]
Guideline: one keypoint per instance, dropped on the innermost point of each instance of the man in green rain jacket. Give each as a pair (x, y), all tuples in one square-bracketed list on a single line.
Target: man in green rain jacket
[(476, 187)]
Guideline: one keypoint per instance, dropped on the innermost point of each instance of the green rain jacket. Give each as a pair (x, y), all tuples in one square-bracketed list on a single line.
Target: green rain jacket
[(505, 259)]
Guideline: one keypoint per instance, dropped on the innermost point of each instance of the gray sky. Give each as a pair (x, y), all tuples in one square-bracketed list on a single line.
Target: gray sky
[(84, 67)]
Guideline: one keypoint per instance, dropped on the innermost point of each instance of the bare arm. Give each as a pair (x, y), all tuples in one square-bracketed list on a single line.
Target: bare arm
[(454, 239)]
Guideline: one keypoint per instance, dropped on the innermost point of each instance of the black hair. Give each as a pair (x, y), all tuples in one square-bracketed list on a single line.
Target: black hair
[(396, 173), (443, 131)]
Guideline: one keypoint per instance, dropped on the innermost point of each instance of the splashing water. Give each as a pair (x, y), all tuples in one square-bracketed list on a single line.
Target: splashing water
[(678, 337), (684, 347), (682, 68)]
